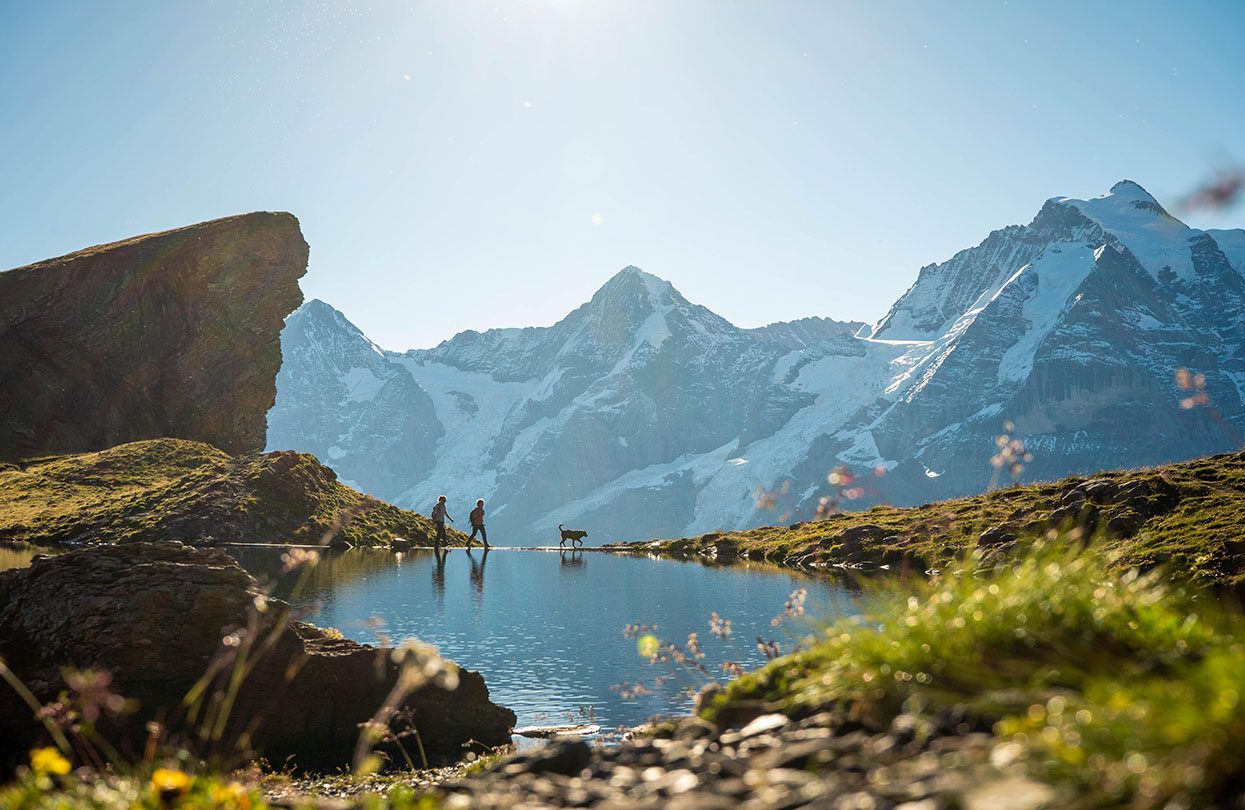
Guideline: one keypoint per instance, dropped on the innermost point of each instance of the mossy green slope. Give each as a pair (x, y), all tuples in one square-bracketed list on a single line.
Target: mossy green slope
[(1187, 515), (174, 489), (1118, 687)]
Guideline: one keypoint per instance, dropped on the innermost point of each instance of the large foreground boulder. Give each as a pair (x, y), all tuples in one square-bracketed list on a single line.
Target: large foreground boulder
[(157, 616), (174, 489), (170, 334)]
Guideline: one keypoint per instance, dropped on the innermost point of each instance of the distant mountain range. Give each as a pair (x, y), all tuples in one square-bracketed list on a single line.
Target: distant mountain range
[(642, 415)]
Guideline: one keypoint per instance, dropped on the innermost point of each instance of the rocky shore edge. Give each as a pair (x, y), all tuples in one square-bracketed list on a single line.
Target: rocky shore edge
[(166, 621)]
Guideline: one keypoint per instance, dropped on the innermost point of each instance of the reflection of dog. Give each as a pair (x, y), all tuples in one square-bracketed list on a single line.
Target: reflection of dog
[(574, 535)]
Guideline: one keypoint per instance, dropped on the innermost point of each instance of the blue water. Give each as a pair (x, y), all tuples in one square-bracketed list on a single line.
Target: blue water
[(546, 629)]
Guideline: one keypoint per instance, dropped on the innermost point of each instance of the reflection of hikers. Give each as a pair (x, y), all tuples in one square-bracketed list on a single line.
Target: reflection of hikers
[(438, 573), (477, 524), (477, 572), (439, 516)]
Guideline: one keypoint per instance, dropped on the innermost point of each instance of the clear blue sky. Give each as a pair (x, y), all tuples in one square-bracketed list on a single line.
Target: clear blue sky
[(465, 165)]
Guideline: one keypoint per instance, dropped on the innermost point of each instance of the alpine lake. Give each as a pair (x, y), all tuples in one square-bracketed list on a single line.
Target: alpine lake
[(555, 633)]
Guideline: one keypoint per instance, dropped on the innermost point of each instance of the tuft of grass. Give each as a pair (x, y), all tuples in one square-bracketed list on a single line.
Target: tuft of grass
[(1114, 684), (175, 489)]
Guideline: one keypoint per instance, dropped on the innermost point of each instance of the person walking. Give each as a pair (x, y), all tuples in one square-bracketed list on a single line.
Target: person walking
[(477, 524), (439, 516)]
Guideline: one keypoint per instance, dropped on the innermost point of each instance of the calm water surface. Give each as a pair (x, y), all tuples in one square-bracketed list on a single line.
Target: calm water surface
[(546, 629)]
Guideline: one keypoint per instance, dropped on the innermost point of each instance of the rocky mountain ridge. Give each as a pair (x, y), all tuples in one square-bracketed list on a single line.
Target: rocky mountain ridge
[(641, 414)]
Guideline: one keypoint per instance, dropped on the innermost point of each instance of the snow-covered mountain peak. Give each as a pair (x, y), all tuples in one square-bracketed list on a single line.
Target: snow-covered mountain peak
[(319, 310), (1130, 214), (631, 284), (1125, 200), (635, 305), (640, 414), (326, 325), (1130, 189)]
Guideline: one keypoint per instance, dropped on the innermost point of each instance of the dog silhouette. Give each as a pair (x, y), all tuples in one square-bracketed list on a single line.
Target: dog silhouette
[(574, 535)]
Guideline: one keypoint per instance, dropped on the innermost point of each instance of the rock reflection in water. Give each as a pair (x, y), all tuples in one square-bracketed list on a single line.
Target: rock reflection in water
[(545, 627)]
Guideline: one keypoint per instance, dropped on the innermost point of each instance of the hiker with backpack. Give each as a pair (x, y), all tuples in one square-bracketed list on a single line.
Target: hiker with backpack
[(477, 524), (439, 516)]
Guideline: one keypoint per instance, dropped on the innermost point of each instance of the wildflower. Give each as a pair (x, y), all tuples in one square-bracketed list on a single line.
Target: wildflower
[(296, 558), (426, 664), (48, 761), (647, 645), (793, 607), (231, 795), (1012, 455), (168, 782), (768, 498), (628, 691), (92, 694), (1195, 386)]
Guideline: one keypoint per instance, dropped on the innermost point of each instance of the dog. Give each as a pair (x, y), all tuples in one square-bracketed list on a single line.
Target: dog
[(574, 535)]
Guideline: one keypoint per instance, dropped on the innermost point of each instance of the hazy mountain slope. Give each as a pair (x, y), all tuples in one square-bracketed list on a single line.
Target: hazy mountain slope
[(343, 400), (636, 377), (641, 414)]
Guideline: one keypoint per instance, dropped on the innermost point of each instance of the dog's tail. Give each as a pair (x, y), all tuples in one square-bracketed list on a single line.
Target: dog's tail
[(560, 527)]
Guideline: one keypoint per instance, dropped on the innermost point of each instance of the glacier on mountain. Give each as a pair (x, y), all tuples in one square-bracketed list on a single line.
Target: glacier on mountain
[(641, 414)]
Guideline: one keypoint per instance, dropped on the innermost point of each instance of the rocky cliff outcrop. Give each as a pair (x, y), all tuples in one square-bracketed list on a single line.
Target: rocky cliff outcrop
[(156, 616), (169, 334), (174, 489)]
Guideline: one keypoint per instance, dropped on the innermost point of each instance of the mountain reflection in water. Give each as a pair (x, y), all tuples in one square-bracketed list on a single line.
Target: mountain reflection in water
[(546, 628)]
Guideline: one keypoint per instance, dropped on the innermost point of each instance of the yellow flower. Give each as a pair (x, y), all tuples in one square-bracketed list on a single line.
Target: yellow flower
[(48, 760), (165, 780), (231, 795), (647, 645)]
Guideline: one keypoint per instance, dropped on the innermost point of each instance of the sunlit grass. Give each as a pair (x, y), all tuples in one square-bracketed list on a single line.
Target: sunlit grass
[(1116, 684), (154, 489), (1190, 522)]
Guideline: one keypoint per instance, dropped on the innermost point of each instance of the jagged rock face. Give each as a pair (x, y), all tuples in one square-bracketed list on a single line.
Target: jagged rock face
[(153, 615), (643, 415), (170, 334)]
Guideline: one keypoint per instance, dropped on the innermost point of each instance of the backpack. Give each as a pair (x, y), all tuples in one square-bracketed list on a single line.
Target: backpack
[(477, 516)]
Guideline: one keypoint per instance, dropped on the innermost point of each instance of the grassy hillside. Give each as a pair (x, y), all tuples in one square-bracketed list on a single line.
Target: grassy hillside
[(1117, 689), (190, 491), (1187, 515)]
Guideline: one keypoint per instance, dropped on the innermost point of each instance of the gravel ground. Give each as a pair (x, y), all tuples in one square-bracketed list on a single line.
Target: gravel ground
[(772, 762)]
